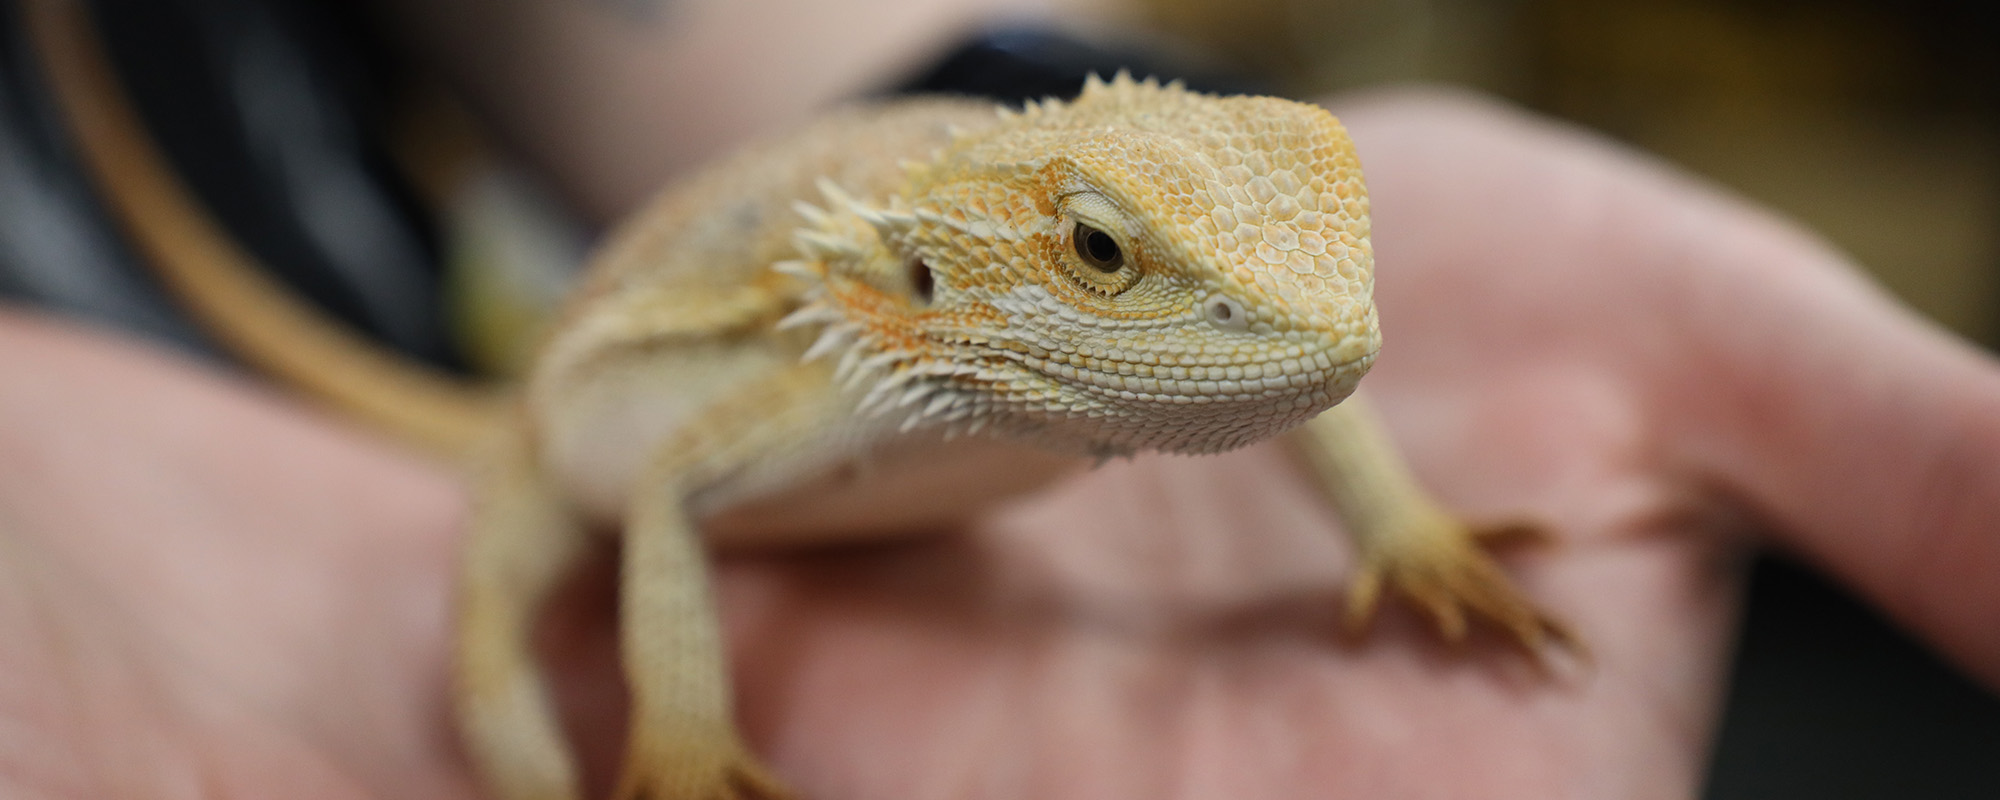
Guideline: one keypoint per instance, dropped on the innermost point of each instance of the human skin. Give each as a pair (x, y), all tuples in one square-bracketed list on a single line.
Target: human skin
[(207, 590)]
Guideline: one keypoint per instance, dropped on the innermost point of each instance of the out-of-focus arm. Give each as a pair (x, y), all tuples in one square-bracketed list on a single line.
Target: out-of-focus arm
[(613, 97)]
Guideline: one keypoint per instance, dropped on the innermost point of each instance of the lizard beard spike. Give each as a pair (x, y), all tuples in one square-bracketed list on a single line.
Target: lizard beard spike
[(839, 247)]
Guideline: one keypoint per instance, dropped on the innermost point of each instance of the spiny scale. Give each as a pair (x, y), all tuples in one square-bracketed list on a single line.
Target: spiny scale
[(1125, 365)]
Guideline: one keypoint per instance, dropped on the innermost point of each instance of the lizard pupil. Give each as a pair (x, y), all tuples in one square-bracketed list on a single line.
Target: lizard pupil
[(1097, 248)]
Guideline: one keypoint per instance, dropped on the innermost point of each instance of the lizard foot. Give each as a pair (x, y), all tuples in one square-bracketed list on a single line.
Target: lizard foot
[(1443, 567), (697, 768)]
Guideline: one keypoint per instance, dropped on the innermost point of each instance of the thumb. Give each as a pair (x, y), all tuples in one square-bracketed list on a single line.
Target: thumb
[(1868, 436)]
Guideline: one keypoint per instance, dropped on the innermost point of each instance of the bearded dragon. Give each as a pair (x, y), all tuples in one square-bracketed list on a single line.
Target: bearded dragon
[(961, 299), (882, 321)]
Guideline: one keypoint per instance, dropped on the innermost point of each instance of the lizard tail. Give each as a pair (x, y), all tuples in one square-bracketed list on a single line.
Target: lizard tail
[(249, 314)]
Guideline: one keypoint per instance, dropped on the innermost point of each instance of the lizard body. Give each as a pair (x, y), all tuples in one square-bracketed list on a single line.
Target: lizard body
[(878, 322), (897, 314)]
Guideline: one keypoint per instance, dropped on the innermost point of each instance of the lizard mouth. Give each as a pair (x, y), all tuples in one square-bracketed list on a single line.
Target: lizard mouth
[(1202, 407)]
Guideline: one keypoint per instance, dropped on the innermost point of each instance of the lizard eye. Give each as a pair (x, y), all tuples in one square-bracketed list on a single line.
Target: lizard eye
[(1090, 253), (1097, 248)]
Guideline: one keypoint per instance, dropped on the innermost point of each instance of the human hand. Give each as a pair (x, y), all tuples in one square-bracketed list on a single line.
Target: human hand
[(205, 589), (207, 593), (1572, 334)]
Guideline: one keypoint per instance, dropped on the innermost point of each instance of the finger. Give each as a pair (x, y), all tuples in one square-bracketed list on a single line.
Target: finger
[(1774, 370), (1870, 437)]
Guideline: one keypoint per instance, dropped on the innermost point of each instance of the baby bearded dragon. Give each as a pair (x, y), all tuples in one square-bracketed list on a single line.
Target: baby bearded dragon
[(976, 299), (1142, 269)]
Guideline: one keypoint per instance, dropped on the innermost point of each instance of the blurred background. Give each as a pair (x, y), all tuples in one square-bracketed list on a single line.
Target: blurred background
[(351, 171)]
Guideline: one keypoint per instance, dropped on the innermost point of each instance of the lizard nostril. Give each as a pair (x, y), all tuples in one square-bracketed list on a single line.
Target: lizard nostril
[(1225, 313)]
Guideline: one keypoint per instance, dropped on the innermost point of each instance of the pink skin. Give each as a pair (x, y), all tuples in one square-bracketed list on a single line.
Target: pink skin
[(207, 591)]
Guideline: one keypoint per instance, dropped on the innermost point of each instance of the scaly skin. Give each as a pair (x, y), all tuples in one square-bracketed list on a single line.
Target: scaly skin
[(899, 314), (1234, 304)]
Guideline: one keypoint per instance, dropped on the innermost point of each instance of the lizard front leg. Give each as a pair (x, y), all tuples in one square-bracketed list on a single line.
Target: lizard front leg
[(683, 743), (1406, 542), (523, 542)]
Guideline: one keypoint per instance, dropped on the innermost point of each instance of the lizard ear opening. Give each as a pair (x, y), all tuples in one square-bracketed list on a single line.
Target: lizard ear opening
[(923, 282)]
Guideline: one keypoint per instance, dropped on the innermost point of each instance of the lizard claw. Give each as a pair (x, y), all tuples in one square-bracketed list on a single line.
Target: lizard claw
[(697, 768), (1447, 574)]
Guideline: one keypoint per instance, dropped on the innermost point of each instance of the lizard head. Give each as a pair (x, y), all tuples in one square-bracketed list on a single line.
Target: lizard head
[(1143, 268)]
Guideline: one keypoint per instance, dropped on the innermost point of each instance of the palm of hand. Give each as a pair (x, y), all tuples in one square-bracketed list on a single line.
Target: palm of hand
[(1170, 627), (204, 593), (1164, 628)]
